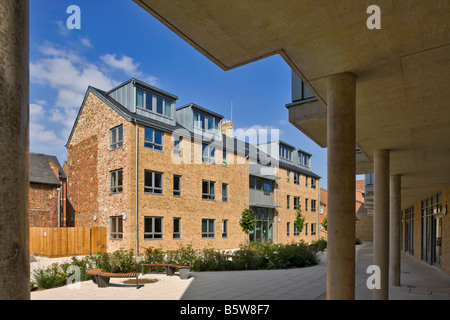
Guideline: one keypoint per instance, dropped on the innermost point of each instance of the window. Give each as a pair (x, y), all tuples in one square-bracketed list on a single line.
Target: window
[(208, 190), (153, 103), (296, 203), (208, 154), (306, 181), (153, 139), (306, 204), (148, 101), (116, 181), (206, 123), (288, 176), (313, 229), (153, 182), (177, 145), (177, 228), (176, 185), (313, 205), (306, 229), (159, 105), (207, 228), (313, 183), (224, 158), (116, 227), (116, 138), (288, 200), (267, 188), (288, 228), (224, 192), (139, 98), (153, 228), (167, 108), (296, 230), (224, 228), (285, 153), (296, 178)]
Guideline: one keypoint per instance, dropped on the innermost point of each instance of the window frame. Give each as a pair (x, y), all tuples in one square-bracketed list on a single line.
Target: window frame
[(153, 144), (210, 157), (208, 234), (177, 192), (117, 144), (208, 196), (225, 228), (153, 187), (114, 189), (176, 235), (150, 235), (116, 234), (225, 188)]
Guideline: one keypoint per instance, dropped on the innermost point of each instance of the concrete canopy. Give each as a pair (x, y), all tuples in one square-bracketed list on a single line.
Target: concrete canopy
[(403, 69)]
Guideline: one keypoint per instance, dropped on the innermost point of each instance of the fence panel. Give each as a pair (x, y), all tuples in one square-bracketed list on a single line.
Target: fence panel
[(65, 242)]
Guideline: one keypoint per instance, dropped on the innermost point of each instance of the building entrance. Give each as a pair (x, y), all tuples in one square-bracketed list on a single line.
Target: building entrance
[(263, 231)]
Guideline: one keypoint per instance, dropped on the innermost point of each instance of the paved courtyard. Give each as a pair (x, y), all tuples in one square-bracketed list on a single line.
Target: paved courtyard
[(419, 282)]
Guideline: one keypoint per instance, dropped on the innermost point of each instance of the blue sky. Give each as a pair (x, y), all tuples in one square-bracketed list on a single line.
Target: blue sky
[(117, 41)]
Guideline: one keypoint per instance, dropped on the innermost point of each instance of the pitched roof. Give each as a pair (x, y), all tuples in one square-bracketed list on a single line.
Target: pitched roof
[(41, 172)]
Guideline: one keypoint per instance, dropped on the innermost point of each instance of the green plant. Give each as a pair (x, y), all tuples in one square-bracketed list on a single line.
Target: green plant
[(50, 277), (325, 223), (299, 220), (248, 220), (318, 245)]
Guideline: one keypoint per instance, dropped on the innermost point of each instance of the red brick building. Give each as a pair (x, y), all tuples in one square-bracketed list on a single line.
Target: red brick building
[(47, 193)]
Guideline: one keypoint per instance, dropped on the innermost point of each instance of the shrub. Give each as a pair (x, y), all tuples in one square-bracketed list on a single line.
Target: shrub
[(318, 245), (50, 277)]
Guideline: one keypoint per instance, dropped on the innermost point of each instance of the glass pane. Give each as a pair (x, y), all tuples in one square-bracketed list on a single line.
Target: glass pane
[(202, 121), (176, 225), (119, 178), (210, 124), (149, 134), (204, 226), (159, 105), (168, 109), (196, 119), (211, 188), (119, 225), (205, 187), (176, 183), (113, 224), (211, 227), (139, 98), (158, 137), (158, 180), (158, 225), (148, 179), (148, 225), (113, 136), (120, 132), (148, 101)]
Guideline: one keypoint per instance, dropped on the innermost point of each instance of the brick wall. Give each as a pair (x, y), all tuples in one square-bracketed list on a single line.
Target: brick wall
[(289, 215), (43, 210)]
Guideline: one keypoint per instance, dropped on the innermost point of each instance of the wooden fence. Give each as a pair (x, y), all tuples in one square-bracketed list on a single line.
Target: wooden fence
[(66, 242)]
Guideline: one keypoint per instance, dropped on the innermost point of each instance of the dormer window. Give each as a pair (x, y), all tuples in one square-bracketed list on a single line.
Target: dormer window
[(285, 153), (151, 102), (207, 123)]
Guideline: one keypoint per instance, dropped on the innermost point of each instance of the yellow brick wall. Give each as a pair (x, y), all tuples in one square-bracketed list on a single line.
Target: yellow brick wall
[(289, 215)]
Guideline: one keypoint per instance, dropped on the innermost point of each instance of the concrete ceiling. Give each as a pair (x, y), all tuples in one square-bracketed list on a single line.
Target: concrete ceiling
[(403, 69)]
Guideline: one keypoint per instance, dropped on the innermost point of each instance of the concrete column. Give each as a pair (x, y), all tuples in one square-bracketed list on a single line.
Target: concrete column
[(341, 186), (14, 142), (395, 230), (381, 222)]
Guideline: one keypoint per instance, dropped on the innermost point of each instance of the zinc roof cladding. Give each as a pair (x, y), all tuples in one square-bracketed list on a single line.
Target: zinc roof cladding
[(41, 172)]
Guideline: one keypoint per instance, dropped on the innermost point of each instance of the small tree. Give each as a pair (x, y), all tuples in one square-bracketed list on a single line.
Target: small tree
[(324, 223), (299, 220), (248, 220)]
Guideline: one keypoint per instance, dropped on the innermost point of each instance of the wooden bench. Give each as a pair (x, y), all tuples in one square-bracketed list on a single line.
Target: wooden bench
[(161, 265), (183, 270), (170, 269), (94, 273), (103, 278)]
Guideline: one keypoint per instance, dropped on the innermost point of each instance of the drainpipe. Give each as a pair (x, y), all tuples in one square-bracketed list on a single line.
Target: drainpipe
[(59, 207), (318, 216), (137, 188)]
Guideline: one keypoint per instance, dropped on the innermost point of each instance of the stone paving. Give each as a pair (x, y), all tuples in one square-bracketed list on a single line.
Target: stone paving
[(419, 281)]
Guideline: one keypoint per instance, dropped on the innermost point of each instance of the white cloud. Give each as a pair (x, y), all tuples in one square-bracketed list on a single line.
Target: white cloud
[(86, 42), (129, 67)]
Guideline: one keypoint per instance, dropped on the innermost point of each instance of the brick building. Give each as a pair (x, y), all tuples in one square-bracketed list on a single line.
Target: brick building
[(160, 176), (47, 192)]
